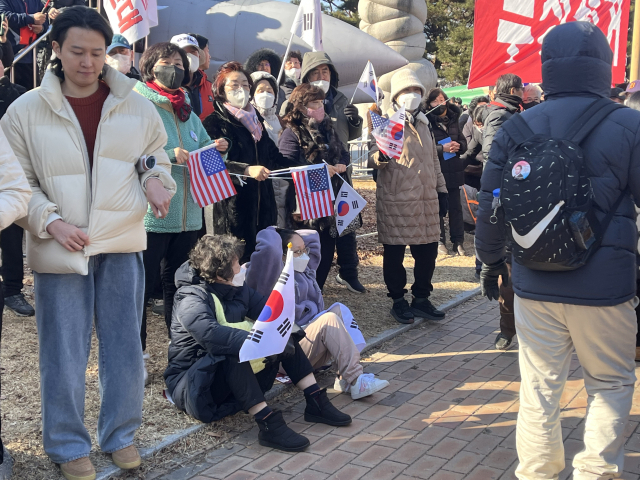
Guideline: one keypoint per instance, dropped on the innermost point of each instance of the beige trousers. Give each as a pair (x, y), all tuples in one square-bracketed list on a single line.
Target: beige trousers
[(604, 339), (327, 339)]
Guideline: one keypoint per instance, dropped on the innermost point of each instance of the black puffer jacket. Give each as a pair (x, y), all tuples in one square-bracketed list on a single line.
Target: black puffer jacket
[(196, 335), (251, 65), (452, 169), (254, 207), (9, 92), (576, 70), (498, 112)]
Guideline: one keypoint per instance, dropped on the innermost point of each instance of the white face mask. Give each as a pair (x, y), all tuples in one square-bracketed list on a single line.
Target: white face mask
[(238, 278), (293, 73), (238, 98), (120, 62), (300, 263), (411, 101), (194, 62), (323, 84), (264, 100)]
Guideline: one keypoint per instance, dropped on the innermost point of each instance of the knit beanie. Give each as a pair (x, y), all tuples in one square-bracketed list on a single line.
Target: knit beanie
[(260, 75), (403, 79)]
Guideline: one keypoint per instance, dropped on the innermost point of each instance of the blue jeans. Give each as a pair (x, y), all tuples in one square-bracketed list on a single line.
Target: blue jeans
[(112, 296)]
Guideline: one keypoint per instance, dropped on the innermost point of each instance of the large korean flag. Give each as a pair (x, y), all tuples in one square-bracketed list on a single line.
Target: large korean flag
[(271, 331), (348, 205)]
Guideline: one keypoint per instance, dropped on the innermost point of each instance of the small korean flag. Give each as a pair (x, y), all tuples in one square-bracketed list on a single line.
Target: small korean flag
[(347, 207)]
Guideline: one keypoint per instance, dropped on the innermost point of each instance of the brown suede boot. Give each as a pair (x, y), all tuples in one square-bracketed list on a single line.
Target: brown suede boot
[(80, 469), (127, 458), (637, 354)]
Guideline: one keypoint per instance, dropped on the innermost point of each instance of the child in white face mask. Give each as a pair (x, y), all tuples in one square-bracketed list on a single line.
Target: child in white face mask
[(330, 333)]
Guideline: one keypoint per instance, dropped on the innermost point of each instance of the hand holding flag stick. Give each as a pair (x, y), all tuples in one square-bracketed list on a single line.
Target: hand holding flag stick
[(271, 332)]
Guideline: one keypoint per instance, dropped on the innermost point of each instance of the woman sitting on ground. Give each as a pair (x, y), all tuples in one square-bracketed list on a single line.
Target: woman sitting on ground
[(326, 337), (209, 326)]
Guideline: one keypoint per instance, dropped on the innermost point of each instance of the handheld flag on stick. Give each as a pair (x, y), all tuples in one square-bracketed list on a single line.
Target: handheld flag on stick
[(314, 191), (271, 331), (368, 83), (307, 25), (209, 177), (389, 133), (348, 205)]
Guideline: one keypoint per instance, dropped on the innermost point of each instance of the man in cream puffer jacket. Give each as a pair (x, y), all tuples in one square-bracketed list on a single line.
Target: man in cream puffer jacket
[(78, 138)]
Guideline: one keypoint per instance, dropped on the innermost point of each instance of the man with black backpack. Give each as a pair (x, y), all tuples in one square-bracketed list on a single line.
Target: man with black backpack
[(569, 219)]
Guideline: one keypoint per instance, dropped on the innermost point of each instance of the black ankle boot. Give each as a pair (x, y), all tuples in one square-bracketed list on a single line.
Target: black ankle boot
[(320, 410), (275, 433)]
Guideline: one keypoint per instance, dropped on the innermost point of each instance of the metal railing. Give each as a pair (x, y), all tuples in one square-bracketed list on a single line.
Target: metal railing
[(359, 151), (24, 52)]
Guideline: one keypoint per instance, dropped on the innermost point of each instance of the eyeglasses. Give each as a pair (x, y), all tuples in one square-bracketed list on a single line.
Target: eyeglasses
[(298, 253), (235, 86)]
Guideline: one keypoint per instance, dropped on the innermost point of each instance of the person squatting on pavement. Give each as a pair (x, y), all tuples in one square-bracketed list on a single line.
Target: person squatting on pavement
[(411, 196), (205, 377), (326, 336), (86, 235), (591, 308)]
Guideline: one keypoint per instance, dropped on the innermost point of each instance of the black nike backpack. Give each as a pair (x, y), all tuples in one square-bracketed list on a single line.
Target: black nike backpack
[(547, 197)]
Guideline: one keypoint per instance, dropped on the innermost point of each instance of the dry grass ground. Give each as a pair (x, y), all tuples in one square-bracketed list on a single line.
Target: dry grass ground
[(21, 420)]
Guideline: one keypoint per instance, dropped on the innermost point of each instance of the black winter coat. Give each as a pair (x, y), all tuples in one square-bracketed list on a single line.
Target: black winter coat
[(197, 336), (576, 70), (254, 207), (497, 112), (452, 169)]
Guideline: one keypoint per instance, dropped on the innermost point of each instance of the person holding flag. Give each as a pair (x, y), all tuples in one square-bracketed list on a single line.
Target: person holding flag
[(411, 195), (311, 139), (253, 154), (318, 70), (330, 334), (212, 321), (165, 69)]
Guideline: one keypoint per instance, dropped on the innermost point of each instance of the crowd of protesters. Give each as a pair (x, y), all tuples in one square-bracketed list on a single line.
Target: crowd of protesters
[(98, 230)]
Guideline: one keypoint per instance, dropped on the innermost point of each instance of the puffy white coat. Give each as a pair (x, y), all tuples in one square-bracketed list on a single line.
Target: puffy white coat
[(107, 202), (14, 188)]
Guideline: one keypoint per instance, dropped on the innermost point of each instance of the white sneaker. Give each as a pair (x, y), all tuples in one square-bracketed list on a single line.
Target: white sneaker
[(341, 385), (367, 384), (145, 357)]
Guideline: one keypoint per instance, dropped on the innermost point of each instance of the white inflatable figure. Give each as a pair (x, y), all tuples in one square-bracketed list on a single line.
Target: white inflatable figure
[(514, 34), (400, 25)]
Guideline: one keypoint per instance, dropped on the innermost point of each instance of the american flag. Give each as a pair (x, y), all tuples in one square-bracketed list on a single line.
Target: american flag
[(313, 189), (210, 180), (389, 133)]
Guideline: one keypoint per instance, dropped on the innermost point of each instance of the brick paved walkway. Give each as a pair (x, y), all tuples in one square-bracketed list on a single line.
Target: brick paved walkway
[(448, 414)]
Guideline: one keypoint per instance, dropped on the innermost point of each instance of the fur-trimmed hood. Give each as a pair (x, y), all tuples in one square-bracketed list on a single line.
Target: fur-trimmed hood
[(251, 65)]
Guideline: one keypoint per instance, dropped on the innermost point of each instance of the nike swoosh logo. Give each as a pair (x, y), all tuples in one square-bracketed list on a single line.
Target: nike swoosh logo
[(530, 238)]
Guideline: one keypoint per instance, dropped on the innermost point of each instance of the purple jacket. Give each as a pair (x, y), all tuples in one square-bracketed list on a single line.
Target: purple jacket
[(266, 264)]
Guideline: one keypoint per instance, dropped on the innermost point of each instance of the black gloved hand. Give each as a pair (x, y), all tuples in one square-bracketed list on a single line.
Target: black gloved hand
[(489, 279), (443, 200), (289, 349), (351, 112)]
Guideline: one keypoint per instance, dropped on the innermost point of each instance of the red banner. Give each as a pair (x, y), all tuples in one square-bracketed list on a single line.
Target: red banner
[(508, 35)]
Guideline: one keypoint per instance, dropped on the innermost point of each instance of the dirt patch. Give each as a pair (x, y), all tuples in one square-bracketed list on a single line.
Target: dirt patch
[(21, 417)]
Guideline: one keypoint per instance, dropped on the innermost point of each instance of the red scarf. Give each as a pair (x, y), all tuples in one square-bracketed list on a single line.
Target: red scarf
[(177, 99)]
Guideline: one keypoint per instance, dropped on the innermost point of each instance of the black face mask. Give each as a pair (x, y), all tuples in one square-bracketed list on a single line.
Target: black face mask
[(169, 75), (440, 110), (528, 105)]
